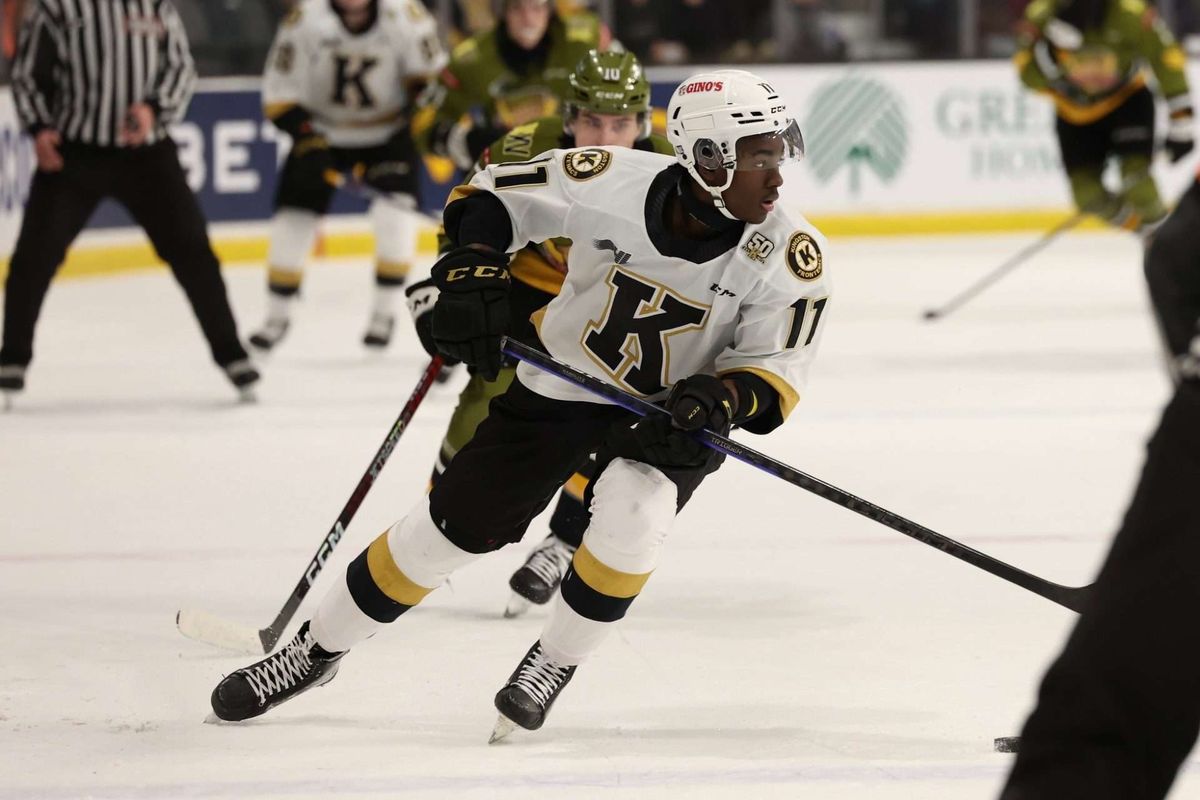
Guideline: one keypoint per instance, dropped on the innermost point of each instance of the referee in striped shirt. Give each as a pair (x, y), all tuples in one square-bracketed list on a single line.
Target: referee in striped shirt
[(96, 82)]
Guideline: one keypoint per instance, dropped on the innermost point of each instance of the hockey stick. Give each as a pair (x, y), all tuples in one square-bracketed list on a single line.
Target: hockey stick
[(362, 190), (1014, 261), (208, 628), (1071, 597), (1021, 256)]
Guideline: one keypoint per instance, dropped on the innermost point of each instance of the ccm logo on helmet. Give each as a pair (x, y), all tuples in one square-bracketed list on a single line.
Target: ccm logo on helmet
[(702, 86)]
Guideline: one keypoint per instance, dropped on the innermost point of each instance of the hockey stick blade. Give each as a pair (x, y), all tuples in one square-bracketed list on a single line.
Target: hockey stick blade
[(211, 629), (1071, 597), (204, 627)]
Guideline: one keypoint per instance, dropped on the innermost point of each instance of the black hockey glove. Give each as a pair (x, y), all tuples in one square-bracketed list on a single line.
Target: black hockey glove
[(654, 440), (310, 158), (421, 298), (666, 440), (471, 313), (701, 401)]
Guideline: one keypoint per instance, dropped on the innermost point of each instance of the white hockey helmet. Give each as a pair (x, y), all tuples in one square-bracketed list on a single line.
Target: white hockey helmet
[(710, 111)]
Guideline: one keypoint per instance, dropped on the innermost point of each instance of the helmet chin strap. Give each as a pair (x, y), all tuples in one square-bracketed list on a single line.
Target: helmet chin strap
[(693, 206)]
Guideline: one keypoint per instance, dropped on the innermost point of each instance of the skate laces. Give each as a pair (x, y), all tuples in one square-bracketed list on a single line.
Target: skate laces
[(550, 561), (283, 670), (540, 677)]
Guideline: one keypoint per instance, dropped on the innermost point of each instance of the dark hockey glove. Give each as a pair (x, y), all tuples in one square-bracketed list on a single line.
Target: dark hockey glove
[(655, 440), (701, 401), (421, 298), (310, 158), (471, 313)]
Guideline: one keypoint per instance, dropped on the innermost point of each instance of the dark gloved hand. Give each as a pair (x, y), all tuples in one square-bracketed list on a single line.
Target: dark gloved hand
[(471, 313), (311, 158), (421, 297), (666, 440), (654, 440), (701, 401)]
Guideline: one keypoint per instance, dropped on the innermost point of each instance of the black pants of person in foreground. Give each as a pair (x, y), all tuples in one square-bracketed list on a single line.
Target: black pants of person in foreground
[(1119, 710), (150, 183)]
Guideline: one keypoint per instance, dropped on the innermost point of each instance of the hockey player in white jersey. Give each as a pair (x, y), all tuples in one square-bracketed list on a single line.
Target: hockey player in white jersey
[(687, 286), (341, 79)]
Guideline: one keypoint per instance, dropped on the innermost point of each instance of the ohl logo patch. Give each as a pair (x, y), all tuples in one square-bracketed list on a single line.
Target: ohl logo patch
[(584, 165), (856, 125)]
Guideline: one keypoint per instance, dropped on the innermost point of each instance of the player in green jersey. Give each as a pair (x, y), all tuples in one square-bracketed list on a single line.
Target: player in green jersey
[(1090, 57), (510, 75), (607, 104)]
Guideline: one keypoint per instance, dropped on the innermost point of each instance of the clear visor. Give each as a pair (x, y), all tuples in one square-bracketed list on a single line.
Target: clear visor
[(770, 150)]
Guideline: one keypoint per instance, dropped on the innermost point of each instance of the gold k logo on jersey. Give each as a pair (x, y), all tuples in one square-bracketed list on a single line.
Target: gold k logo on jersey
[(804, 256), (759, 247), (583, 165)]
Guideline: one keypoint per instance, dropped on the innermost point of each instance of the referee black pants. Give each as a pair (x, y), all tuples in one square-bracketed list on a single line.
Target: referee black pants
[(150, 183)]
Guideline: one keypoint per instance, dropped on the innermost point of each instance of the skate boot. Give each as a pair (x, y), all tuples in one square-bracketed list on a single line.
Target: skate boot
[(244, 376), (273, 330), (526, 699), (301, 665), (12, 381), (379, 330), (539, 577)]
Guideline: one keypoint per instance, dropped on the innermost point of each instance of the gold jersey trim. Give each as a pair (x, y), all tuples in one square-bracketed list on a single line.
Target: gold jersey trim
[(788, 397), (388, 576)]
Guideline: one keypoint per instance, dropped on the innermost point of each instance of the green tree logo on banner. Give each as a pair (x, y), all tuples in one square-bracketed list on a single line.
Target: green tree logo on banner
[(856, 124)]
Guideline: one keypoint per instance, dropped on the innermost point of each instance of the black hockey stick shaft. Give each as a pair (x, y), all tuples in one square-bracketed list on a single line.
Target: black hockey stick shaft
[(270, 634), (1014, 261), (1068, 596), (1027, 252), (370, 193)]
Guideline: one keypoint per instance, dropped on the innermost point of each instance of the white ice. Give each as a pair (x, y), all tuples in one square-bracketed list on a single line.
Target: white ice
[(785, 648)]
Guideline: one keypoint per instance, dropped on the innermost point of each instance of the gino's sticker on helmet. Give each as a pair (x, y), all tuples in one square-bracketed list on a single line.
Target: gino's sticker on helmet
[(701, 86), (804, 256), (585, 164)]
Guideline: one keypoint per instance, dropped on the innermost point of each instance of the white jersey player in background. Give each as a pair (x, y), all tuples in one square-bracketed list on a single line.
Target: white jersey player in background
[(341, 79), (686, 285)]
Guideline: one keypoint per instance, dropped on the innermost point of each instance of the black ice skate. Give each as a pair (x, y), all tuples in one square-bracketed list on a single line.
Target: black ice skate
[(379, 330), (250, 691), (539, 577), (12, 381), (526, 699), (271, 333), (243, 375)]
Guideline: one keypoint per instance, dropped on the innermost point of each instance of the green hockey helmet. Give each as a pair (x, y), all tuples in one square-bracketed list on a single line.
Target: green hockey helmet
[(609, 82)]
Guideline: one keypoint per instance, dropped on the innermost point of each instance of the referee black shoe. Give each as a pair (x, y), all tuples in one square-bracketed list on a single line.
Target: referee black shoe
[(12, 377)]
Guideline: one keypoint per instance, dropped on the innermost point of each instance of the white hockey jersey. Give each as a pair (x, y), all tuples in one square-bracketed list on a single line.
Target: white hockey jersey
[(640, 319), (353, 85)]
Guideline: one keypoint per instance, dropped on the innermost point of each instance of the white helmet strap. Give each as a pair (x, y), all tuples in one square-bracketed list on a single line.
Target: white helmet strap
[(706, 153)]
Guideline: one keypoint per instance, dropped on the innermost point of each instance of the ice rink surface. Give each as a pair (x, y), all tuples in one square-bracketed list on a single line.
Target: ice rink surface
[(784, 648)]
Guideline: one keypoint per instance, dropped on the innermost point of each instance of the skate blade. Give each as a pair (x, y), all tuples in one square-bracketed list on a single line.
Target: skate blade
[(504, 727), (8, 402), (517, 606), (247, 396)]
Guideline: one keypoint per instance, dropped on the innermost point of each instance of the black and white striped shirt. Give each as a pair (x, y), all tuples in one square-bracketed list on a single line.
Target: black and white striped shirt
[(81, 64)]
